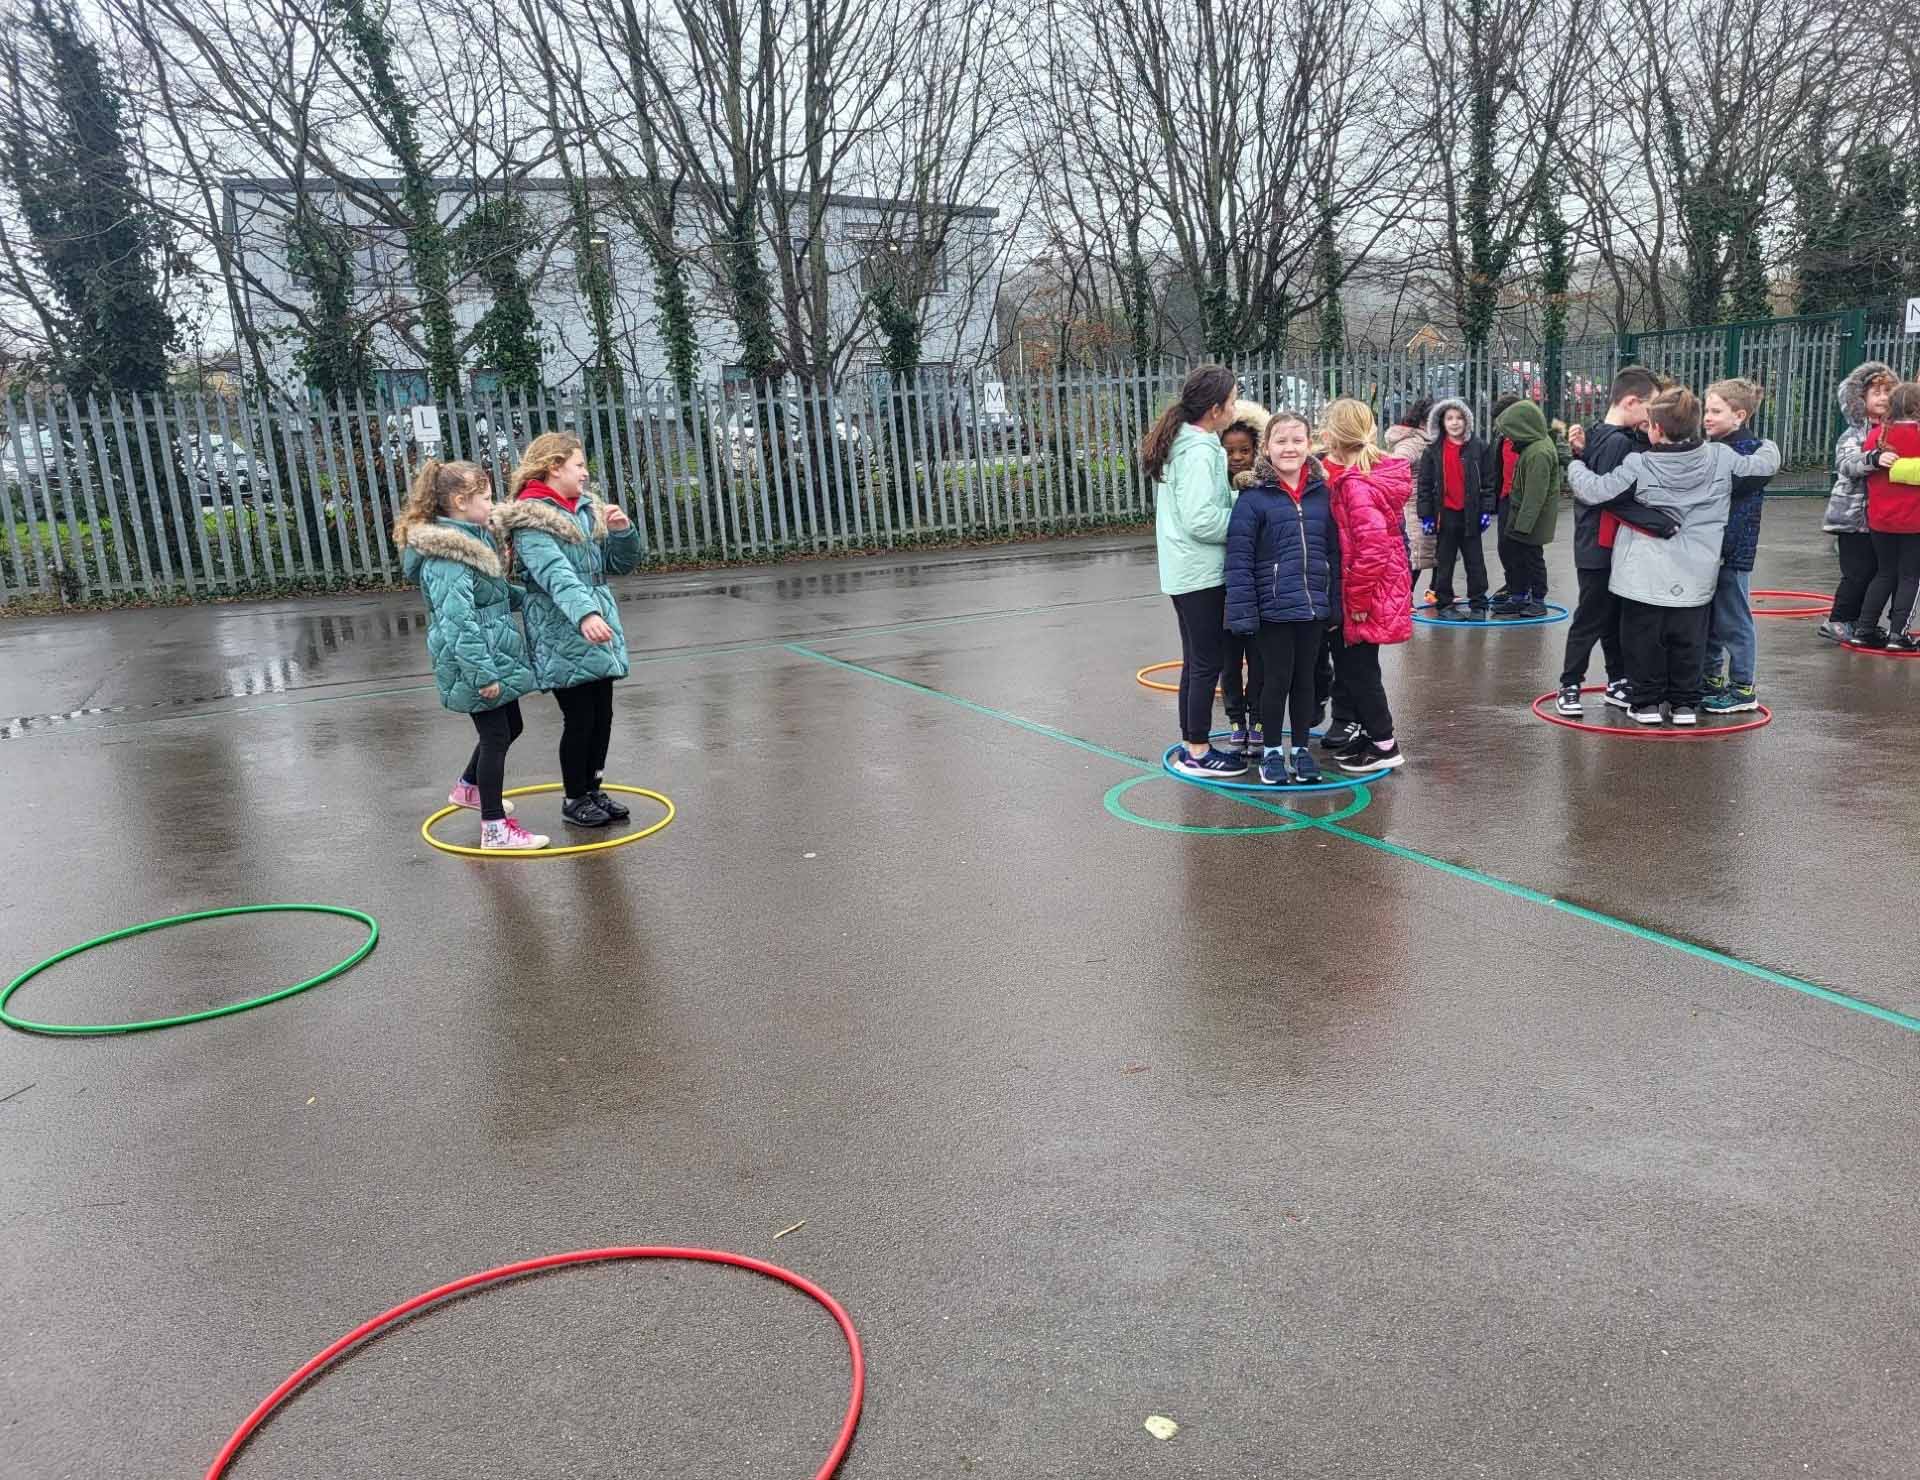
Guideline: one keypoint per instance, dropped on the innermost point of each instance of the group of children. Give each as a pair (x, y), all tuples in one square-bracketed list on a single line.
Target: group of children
[(560, 543), (1874, 511), (1306, 573)]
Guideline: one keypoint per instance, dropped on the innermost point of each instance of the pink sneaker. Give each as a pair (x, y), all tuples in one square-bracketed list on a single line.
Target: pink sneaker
[(465, 794), (509, 834)]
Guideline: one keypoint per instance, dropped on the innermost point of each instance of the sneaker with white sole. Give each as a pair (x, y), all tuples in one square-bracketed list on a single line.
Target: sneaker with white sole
[(1645, 714), (1835, 631), (466, 794), (1306, 770), (1734, 699), (1684, 714), (1616, 694), (1569, 700), (1368, 759), (1215, 765), (509, 836), (1273, 768)]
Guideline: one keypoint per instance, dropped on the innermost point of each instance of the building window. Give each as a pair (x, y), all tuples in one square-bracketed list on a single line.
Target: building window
[(402, 388), (600, 248), (915, 265), (381, 259)]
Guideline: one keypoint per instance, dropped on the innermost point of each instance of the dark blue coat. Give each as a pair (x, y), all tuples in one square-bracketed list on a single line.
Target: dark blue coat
[(1741, 543), (1283, 557)]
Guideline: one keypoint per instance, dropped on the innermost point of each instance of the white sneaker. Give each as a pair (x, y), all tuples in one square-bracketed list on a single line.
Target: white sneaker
[(507, 834)]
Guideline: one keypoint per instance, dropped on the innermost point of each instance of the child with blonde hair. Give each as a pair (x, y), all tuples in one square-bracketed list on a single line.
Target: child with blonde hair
[(1370, 492), (479, 655), (566, 542), (1731, 645)]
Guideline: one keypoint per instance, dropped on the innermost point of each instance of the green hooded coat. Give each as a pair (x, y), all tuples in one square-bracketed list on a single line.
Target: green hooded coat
[(472, 636), (566, 559), (1533, 508)]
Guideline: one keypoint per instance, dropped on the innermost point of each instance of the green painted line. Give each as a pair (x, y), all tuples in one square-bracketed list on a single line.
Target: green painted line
[(1413, 855)]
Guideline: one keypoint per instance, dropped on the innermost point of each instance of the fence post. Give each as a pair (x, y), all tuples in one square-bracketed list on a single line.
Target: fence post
[(1853, 333), (1627, 347)]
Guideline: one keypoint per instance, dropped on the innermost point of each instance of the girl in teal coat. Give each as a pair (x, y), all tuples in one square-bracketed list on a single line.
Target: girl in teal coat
[(479, 655), (566, 543)]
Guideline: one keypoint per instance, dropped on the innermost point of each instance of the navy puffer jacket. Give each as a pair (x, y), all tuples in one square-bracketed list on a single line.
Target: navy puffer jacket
[(1283, 556), (1740, 546)]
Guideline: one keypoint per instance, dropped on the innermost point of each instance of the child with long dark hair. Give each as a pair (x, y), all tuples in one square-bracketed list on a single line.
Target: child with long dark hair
[(1192, 505), (1241, 673)]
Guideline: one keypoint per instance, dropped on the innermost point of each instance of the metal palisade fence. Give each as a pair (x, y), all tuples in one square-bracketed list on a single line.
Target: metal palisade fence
[(128, 498)]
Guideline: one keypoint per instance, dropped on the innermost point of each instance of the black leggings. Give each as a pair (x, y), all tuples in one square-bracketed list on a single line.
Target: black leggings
[(1358, 666), (1203, 625), (1290, 656), (498, 728), (1858, 564), (1241, 690), (587, 709), (1897, 557)]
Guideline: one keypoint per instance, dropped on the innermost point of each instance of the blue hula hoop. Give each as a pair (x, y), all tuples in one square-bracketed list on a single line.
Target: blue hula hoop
[(1555, 613), (1292, 788)]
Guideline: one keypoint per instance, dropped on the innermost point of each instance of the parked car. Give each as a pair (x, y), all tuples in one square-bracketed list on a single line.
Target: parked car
[(737, 432), (223, 471)]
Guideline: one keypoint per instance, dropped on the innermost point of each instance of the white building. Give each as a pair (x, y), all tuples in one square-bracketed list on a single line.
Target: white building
[(862, 236)]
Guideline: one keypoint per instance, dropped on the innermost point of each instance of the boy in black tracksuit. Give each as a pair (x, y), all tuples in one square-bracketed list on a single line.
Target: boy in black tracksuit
[(1455, 503), (1596, 616)]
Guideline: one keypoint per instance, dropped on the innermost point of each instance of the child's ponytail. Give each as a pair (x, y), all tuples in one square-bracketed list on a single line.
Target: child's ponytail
[(435, 485), (1207, 387), (1347, 428)]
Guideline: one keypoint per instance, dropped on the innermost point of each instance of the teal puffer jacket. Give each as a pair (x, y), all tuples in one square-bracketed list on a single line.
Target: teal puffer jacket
[(565, 560), (472, 635)]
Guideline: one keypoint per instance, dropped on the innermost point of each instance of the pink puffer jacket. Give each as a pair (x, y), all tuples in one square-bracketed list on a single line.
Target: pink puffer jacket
[(1369, 511)]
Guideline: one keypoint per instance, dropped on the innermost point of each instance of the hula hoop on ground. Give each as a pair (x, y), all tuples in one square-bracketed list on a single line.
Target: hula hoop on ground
[(1825, 599), (1875, 652), (1362, 799), (426, 828), (1290, 789), (1633, 731), (1555, 613), (82, 1030), (1155, 684), (325, 1358)]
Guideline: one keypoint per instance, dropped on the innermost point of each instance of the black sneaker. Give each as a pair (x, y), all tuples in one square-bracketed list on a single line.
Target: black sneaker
[(1870, 637), (1569, 700), (1532, 608), (1683, 714), (585, 812), (1645, 714), (1368, 759), (607, 804), (1616, 694), (1340, 737), (1902, 642)]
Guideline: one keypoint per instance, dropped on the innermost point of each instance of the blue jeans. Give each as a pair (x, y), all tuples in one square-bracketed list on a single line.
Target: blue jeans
[(1730, 628)]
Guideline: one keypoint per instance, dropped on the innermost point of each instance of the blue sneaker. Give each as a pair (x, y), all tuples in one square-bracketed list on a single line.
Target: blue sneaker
[(1306, 770), (1273, 768), (1732, 699), (1215, 765)]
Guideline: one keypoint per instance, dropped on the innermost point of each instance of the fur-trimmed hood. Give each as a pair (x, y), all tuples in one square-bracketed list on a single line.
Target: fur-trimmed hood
[(549, 518), (1436, 418), (456, 540), (1852, 393), (1251, 415)]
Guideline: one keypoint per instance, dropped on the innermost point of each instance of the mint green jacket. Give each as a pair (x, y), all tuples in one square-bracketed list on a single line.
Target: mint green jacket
[(1192, 505)]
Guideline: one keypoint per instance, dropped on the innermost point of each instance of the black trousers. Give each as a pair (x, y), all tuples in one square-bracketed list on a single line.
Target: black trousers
[(1290, 655), (1596, 618), (1526, 568), (1666, 650), (1203, 629), (1858, 566), (1241, 689), (487, 769), (1357, 665), (1896, 575), (1327, 682), (1458, 536), (587, 712)]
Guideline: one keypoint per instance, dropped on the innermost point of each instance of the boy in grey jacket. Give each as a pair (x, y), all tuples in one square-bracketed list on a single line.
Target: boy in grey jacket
[(1665, 586)]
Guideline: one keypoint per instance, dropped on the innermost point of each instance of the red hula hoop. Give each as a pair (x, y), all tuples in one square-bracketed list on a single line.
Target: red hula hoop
[(321, 1360), (1824, 599), (1765, 717), (1854, 647)]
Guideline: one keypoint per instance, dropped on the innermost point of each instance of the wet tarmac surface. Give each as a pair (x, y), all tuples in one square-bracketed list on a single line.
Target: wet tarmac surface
[(1348, 1149)]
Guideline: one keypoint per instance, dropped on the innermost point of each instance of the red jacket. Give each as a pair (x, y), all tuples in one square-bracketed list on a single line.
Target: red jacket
[(1368, 510), (1893, 508)]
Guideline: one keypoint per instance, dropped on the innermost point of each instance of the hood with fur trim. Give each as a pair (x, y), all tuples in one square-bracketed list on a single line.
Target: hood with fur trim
[(1436, 418), (1852, 393), (453, 540), (550, 518)]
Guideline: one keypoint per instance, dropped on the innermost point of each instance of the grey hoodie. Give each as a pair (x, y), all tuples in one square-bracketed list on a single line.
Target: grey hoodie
[(1847, 507), (1694, 482)]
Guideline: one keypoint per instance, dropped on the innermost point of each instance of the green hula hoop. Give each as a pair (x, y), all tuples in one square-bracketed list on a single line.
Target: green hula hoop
[(1361, 801), (94, 1029)]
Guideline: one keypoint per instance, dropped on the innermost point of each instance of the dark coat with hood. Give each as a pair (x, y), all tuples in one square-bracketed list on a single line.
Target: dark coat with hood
[(1283, 554), (1533, 508), (1430, 480), (1741, 545)]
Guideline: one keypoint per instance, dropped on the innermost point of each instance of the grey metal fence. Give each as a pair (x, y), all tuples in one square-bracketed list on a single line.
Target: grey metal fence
[(130, 497)]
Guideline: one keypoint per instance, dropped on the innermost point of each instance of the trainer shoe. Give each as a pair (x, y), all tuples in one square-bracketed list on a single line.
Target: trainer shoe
[(466, 794), (1569, 700), (1684, 714), (1835, 631), (616, 810), (509, 835), (585, 812), (1532, 608), (1215, 765), (1340, 737), (1734, 699), (1237, 736), (1870, 637), (1370, 759), (1616, 694), (1645, 714), (1306, 770), (1273, 768), (1256, 739), (1713, 683), (1902, 642)]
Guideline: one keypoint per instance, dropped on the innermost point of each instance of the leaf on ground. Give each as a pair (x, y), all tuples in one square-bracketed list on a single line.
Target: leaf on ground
[(1160, 1428), (792, 1228)]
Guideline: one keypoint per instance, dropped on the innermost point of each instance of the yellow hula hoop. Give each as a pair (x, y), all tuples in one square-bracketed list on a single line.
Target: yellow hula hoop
[(426, 828), (1154, 683)]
